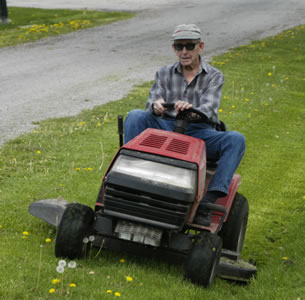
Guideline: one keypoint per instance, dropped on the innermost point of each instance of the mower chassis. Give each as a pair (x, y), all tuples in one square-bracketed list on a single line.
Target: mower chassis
[(230, 266)]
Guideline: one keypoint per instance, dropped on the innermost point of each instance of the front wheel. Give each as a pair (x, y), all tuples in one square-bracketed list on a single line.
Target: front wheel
[(75, 225), (202, 262)]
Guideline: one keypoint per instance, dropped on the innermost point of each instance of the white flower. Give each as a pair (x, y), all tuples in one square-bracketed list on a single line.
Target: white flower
[(72, 264), (91, 238), (85, 240), (60, 269), (62, 263)]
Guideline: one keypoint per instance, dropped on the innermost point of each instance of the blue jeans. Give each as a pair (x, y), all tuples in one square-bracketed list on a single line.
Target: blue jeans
[(226, 147)]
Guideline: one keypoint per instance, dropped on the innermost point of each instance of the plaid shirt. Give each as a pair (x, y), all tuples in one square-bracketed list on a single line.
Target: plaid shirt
[(204, 92)]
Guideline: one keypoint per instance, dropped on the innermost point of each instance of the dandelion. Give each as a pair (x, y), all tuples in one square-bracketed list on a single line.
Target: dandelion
[(270, 74), (77, 169), (99, 124), (129, 278), (284, 258), (91, 273), (233, 106), (55, 281), (72, 264), (91, 238), (246, 99), (122, 260), (85, 240), (38, 152), (303, 198), (60, 269), (252, 93), (51, 291), (48, 240), (109, 291), (0, 226), (25, 233), (117, 294), (72, 285), (62, 263), (220, 110)]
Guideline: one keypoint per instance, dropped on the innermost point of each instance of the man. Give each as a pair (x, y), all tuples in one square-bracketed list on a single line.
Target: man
[(191, 82)]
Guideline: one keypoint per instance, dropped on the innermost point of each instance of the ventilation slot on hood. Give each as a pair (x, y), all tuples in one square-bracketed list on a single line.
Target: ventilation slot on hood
[(154, 141), (178, 146)]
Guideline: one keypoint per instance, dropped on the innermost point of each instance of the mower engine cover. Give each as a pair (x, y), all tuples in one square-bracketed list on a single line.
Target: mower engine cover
[(155, 179)]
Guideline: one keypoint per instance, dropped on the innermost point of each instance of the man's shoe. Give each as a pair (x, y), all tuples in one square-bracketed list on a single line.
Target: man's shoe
[(202, 217)]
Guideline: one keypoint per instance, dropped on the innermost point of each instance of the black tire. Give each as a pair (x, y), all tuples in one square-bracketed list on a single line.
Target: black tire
[(75, 225), (234, 229), (202, 262)]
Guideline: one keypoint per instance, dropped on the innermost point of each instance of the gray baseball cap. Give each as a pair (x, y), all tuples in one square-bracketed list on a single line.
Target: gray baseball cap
[(186, 32)]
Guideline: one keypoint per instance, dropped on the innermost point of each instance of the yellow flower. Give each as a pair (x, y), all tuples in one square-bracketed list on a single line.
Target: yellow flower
[(246, 99), (129, 278), (109, 291), (269, 74), (55, 281), (38, 152), (48, 240), (25, 233), (51, 291), (118, 294), (233, 106), (1, 225), (220, 110), (99, 124), (72, 285), (77, 169), (122, 260), (284, 258)]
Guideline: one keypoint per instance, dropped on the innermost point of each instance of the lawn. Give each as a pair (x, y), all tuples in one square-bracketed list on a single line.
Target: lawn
[(263, 98), (30, 24)]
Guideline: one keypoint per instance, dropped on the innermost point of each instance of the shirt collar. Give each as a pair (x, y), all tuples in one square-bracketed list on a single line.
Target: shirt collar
[(202, 67)]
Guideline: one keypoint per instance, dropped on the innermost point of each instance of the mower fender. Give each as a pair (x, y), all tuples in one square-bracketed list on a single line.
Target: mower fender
[(49, 210)]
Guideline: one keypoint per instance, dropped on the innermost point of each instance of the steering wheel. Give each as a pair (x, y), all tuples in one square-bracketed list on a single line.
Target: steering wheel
[(184, 117)]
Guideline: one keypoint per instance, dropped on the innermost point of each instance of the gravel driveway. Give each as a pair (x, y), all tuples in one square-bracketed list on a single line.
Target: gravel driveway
[(63, 75)]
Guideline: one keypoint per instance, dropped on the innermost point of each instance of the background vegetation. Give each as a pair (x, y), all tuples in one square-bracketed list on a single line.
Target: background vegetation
[(30, 24), (263, 97)]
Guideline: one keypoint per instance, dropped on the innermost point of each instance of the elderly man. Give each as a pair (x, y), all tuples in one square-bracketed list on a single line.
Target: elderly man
[(191, 82)]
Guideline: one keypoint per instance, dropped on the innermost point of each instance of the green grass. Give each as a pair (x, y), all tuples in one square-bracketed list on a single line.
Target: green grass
[(263, 97), (30, 24)]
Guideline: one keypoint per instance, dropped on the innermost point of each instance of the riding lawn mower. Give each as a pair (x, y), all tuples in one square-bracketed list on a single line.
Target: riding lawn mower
[(147, 202)]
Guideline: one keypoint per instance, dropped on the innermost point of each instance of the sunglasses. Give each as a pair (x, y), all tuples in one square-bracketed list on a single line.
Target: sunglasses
[(188, 46)]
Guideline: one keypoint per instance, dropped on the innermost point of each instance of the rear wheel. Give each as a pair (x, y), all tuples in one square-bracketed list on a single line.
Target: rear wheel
[(202, 262), (234, 229), (76, 225)]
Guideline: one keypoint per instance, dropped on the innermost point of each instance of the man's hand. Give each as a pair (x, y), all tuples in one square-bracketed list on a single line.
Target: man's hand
[(158, 107), (182, 105)]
